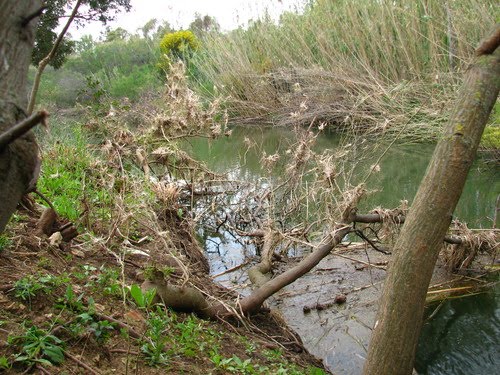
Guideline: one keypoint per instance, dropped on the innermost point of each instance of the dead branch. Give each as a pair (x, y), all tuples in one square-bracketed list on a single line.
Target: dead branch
[(255, 300), (16, 131), (400, 219), (129, 329), (259, 274)]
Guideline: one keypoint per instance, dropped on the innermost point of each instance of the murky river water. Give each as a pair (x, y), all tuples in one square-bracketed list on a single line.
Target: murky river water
[(464, 336)]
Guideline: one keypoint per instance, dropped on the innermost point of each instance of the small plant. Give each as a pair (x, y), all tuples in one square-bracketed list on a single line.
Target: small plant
[(38, 346), (4, 363), (108, 281), (101, 329), (236, 365), (27, 288), (4, 242), (30, 286), (71, 301), (491, 137), (142, 299), (154, 347), (193, 336)]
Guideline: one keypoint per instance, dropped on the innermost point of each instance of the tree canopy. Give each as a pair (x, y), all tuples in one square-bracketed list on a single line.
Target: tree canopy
[(55, 10)]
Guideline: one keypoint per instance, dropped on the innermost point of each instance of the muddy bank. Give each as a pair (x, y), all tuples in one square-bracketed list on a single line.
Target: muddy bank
[(333, 307)]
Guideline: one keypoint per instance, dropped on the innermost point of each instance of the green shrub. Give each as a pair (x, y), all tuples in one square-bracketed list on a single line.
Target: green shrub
[(180, 44)]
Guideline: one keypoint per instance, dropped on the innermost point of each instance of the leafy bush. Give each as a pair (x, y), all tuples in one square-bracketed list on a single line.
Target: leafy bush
[(179, 45)]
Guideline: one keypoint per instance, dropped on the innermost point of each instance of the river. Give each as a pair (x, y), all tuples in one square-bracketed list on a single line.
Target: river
[(463, 336)]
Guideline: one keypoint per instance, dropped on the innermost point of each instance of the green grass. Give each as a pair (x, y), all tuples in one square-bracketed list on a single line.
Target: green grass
[(71, 174)]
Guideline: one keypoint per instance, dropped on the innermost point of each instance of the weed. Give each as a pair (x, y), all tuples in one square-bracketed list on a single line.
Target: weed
[(154, 347), (72, 301), (193, 337), (4, 363), (43, 262), (101, 329), (235, 365), (28, 287), (37, 346), (108, 281), (5, 242), (143, 300)]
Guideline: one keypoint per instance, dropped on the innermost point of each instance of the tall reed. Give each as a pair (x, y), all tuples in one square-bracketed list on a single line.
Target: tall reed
[(368, 63)]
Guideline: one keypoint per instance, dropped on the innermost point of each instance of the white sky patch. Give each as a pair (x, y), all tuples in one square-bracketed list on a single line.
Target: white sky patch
[(228, 13)]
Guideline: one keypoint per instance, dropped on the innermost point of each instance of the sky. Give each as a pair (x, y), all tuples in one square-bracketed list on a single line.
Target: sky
[(180, 13)]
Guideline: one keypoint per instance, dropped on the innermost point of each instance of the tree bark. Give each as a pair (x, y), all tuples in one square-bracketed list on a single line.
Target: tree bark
[(46, 60), (19, 162), (399, 319)]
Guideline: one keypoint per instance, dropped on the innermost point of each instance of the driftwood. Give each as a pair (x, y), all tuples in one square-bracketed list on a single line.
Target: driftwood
[(190, 299)]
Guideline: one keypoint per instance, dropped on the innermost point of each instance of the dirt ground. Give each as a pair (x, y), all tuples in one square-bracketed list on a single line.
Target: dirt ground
[(74, 291)]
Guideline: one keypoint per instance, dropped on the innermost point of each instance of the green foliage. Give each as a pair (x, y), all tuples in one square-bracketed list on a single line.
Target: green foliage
[(5, 242), (106, 70), (71, 180), (108, 281), (101, 10), (202, 25), (37, 346), (179, 44), (30, 286), (491, 137), (142, 299), (134, 83), (4, 363), (101, 329), (93, 93), (234, 365), (116, 34), (154, 347), (46, 36)]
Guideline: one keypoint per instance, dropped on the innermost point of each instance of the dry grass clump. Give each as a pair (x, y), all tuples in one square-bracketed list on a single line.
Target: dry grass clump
[(473, 243)]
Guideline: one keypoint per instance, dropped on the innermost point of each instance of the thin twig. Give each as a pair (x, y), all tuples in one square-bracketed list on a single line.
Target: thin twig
[(42, 369), (360, 261), (80, 363), (129, 329)]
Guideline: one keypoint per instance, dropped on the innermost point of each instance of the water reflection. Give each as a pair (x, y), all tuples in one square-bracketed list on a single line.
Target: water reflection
[(463, 337), (401, 169)]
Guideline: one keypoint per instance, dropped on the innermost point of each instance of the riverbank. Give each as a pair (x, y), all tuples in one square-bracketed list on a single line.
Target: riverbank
[(66, 304)]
